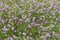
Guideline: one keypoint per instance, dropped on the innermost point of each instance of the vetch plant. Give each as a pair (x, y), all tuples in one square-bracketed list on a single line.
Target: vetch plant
[(29, 20)]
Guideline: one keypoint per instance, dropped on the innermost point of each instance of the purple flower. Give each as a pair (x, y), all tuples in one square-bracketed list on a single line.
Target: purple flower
[(28, 20), (4, 29), (29, 26), (44, 28), (44, 22), (31, 9), (33, 23), (51, 4), (15, 18), (5, 8), (57, 8)]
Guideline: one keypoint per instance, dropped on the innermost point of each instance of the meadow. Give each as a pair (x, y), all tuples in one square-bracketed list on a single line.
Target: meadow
[(29, 20)]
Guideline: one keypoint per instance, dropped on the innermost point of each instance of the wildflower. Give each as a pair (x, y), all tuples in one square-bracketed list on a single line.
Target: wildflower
[(24, 16), (51, 4), (48, 35), (33, 19), (58, 18), (31, 9), (44, 28), (9, 25), (39, 32), (52, 12), (5, 8), (29, 14), (46, 9), (4, 29), (3, 21), (12, 28), (9, 38), (23, 33), (15, 18), (44, 22), (29, 26), (41, 4), (30, 33), (15, 37), (43, 37), (56, 8), (46, 0), (53, 34), (28, 20)]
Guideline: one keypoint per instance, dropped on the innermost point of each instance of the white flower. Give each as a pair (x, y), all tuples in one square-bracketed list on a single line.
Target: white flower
[(9, 25), (48, 35), (23, 33), (27, 20), (12, 28), (9, 38), (58, 18), (24, 16)]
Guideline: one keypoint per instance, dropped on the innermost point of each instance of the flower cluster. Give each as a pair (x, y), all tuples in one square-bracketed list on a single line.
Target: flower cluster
[(29, 20)]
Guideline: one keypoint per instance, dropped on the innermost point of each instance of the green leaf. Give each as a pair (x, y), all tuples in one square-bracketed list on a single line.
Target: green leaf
[(27, 6), (22, 26), (34, 30), (56, 28), (34, 14), (10, 32), (9, 3), (40, 0), (2, 35), (19, 15)]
